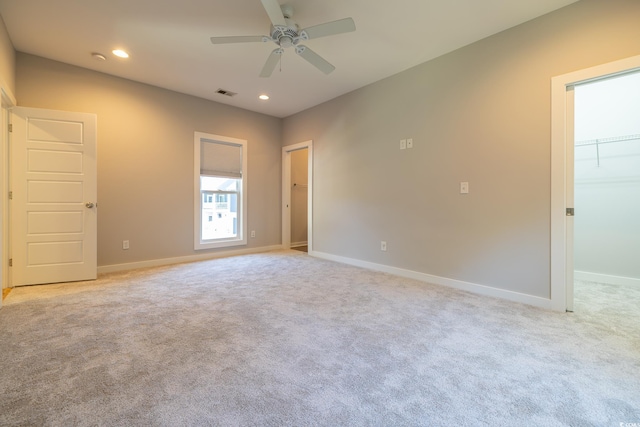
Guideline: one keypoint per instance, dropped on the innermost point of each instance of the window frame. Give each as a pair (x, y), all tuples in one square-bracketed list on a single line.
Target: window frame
[(241, 239)]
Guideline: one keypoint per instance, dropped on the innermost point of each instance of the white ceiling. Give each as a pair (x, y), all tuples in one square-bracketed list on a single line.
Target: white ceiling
[(168, 41)]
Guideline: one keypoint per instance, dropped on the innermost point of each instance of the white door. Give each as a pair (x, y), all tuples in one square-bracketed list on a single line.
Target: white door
[(53, 196), (570, 194)]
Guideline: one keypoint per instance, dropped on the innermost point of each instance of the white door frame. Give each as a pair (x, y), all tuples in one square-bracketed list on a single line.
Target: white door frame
[(561, 154), (8, 101), (286, 193)]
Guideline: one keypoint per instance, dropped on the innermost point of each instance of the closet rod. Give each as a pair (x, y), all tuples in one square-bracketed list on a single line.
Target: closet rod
[(607, 140), (599, 141)]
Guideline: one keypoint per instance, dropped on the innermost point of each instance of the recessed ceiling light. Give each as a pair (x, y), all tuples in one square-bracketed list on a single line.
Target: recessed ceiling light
[(120, 53), (98, 56), (264, 97)]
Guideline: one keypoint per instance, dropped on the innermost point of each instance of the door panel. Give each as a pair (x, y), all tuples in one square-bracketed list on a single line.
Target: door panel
[(54, 253), (54, 161), (54, 222), (55, 191), (55, 131), (53, 210)]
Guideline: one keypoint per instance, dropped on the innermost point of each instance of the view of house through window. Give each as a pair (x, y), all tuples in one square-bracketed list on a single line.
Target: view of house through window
[(219, 207)]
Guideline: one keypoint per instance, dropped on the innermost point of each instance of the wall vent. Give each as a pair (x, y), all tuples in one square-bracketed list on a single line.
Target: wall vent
[(226, 92)]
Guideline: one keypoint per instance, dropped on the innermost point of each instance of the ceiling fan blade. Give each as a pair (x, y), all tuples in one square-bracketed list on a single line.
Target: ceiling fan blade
[(271, 63), (272, 7), (314, 59), (239, 39), (345, 25)]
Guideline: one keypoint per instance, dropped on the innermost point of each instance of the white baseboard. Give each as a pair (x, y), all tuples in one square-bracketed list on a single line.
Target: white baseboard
[(442, 281), (189, 258), (298, 244), (606, 278)]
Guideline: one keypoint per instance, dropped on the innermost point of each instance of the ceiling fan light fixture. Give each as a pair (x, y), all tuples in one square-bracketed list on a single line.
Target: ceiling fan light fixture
[(286, 41)]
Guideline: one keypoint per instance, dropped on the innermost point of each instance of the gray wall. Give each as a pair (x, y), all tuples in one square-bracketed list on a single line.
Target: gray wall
[(480, 114), (145, 157), (7, 60)]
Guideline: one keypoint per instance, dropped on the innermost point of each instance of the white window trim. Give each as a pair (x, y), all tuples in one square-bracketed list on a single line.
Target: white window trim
[(197, 209)]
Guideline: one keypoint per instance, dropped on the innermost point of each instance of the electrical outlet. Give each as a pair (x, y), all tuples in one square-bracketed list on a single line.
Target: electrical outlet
[(253, 233), (403, 144), (125, 244), (464, 188), (410, 143), (383, 246)]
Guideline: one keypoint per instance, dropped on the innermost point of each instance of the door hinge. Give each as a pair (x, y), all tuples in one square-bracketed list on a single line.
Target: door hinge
[(10, 195), (570, 212), (10, 262), (10, 127)]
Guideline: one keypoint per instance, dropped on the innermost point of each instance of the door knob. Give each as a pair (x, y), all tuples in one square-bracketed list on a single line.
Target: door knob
[(89, 204)]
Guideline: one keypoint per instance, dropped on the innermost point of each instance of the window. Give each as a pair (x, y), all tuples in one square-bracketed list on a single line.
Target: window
[(220, 185)]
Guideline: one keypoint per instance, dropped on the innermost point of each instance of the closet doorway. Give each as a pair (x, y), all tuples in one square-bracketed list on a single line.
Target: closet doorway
[(562, 177), (297, 196), (607, 190)]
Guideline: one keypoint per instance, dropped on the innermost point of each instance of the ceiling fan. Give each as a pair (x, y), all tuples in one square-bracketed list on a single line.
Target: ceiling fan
[(286, 33)]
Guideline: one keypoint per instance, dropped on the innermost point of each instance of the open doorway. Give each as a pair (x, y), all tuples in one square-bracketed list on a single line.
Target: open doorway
[(562, 165), (607, 193), (299, 184), (297, 196)]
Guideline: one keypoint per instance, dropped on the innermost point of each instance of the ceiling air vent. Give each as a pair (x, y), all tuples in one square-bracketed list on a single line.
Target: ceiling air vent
[(226, 92)]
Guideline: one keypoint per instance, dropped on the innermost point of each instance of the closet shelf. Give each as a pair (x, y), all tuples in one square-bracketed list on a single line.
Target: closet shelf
[(600, 141), (587, 142)]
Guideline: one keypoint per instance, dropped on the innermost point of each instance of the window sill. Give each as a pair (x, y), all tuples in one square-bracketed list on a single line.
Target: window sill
[(220, 244)]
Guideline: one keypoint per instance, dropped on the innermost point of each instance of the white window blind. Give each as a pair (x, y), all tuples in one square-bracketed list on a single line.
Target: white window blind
[(220, 159)]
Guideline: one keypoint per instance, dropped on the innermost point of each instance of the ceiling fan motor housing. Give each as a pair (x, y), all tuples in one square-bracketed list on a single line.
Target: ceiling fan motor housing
[(285, 36)]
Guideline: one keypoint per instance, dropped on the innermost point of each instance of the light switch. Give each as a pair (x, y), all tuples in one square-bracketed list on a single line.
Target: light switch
[(403, 144), (410, 143), (464, 187)]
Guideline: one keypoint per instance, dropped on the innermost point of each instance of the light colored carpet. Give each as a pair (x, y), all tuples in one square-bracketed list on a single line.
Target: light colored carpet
[(284, 339)]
